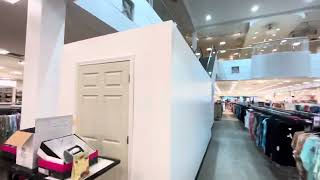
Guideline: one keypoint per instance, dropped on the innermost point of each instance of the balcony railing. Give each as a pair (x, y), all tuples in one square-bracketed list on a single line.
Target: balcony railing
[(275, 46)]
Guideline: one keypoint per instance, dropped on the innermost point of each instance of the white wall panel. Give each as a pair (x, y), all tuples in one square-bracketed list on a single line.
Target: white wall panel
[(191, 110)]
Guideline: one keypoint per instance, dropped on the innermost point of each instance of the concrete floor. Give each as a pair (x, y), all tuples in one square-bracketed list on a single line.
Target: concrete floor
[(232, 155)]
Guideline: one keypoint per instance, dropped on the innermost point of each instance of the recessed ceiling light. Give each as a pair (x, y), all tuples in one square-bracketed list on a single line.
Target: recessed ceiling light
[(274, 35), (12, 1), (209, 38), (283, 41), (255, 8), (278, 29), (262, 50), (254, 37), (209, 49), (222, 43), (16, 72), (296, 44), (4, 51), (317, 80), (270, 39), (208, 17), (198, 54), (256, 33), (274, 50), (223, 51), (287, 81)]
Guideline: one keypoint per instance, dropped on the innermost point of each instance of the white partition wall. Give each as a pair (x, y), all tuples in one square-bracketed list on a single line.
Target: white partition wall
[(171, 91)]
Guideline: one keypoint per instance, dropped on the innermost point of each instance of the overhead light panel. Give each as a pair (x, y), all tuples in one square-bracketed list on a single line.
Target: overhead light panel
[(278, 29), (198, 54), (254, 37), (12, 1), (270, 39), (316, 80), (287, 81), (236, 35), (274, 35), (209, 38), (255, 8), (222, 43), (209, 49), (4, 51), (274, 50), (223, 51), (16, 72), (208, 17), (283, 41), (256, 33), (296, 44)]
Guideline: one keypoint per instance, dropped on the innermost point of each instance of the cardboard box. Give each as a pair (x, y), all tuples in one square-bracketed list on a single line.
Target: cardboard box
[(28, 141)]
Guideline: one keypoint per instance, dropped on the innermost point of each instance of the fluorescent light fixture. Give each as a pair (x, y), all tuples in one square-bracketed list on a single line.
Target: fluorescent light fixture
[(296, 44), (274, 35), (283, 41), (1, 67), (270, 39), (306, 82), (236, 34), (274, 50), (297, 84), (255, 8), (256, 33), (222, 43), (209, 38), (262, 50), (198, 54), (223, 51), (16, 72), (209, 49), (316, 80), (235, 54), (278, 29), (4, 51), (286, 81), (8, 83), (208, 17), (12, 1), (254, 37)]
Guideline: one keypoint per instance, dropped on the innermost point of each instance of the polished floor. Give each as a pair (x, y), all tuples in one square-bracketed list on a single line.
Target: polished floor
[(232, 155)]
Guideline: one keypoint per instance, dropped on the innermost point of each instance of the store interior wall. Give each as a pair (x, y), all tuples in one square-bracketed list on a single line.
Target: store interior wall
[(151, 56), (158, 114), (191, 110)]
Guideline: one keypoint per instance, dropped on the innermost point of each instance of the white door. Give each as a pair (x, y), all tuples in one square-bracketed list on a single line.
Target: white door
[(103, 109)]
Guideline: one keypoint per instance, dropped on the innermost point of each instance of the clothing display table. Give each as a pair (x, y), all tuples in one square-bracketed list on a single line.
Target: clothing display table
[(104, 165)]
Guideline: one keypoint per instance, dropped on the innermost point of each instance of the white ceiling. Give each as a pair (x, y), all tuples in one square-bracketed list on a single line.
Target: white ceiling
[(234, 10), (13, 18), (9, 66)]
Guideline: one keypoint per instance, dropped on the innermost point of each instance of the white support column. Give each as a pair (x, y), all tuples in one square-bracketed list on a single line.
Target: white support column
[(44, 45), (194, 41)]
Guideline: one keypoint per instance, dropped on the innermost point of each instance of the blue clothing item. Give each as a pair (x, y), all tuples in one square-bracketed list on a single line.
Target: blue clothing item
[(308, 154), (264, 134)]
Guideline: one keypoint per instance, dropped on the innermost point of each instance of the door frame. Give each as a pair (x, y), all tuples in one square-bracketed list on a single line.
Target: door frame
[(131, 60)]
